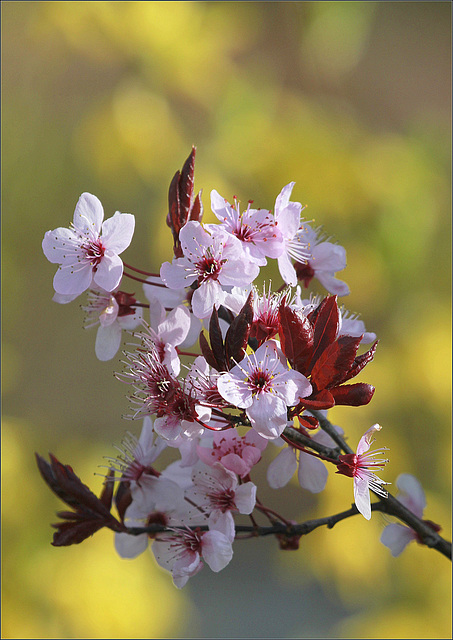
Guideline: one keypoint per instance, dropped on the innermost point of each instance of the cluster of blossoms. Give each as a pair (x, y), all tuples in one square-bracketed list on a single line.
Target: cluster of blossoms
[(266, 366)]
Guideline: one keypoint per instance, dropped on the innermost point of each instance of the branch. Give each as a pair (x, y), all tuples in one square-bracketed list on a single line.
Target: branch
[(389, 505)]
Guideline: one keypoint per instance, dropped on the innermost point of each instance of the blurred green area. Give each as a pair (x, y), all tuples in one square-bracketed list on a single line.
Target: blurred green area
[(352, 101)]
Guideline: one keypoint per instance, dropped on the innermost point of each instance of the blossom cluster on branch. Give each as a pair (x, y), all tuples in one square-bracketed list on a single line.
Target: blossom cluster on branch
[(265, 368)]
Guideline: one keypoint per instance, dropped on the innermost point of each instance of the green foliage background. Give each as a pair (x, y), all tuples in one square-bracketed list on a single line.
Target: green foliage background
[(352, 101)]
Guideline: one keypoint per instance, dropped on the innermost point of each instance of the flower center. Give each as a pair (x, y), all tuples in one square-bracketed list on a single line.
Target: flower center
[(94, 251)]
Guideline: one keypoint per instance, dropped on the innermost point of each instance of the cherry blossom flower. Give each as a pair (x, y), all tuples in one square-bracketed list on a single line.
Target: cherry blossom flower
[(255, 228), (236, 453), (358, 466), (113, 312), (168, 332), (325, 259), (263, 385), (216, 491), (183, 552), (156, 500), (137, 456), (158, 391), (397, 536), (88, 252), (212, 262), (296, 246), (159, 295)]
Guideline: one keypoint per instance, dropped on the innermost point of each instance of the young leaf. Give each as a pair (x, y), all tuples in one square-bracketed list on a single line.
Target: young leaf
[(207, 351), (354, 395), (238, 334), (360, 362), (326, 326), (336, 360), (296, 336), (215, 337)]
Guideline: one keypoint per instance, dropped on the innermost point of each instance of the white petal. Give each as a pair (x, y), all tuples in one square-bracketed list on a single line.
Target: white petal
[(312, 473), (396, 537), (117, 232), (68, 281), (88, 214), (216, 550), (282, 468), (128, 546), (414, 499), (108, 340), (245, 497), (109, 272), (362, 497)]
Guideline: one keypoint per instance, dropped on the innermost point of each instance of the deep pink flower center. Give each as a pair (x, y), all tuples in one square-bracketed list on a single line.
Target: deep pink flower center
[(192, 541), (259, 381), (94, 251), (208, 269), (224, 501)]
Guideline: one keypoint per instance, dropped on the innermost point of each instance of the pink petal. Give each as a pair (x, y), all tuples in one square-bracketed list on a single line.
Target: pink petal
[(88, 214), (216, 550), (362, 497), (109, 272), (312, 473), (396, 537), (117, 232), (108, 340), (282, 468), (68, 281)]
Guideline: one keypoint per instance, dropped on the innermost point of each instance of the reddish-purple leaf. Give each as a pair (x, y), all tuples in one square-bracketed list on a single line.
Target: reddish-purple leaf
[(354, 395), (91, 513), (336, 360), (185, 188), (325, 326), (360, 362), (309, 422), (106, 496), (74, 532), (321, 400), (123, 498), (207, 351), (215, 337), (238, 334), (196, 212), (296, 337)]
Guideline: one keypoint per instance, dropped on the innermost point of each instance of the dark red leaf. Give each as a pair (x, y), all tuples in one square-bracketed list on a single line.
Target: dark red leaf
[(325, 326), (196, 212), (238, 334), (296, 337), (360, 362), (90, 512), (207, 351), (215, 337), (309, 422), (123, 498), (321, 400), (74, 532), (354, 395), (185, 188), (334, 362), (106, 496)]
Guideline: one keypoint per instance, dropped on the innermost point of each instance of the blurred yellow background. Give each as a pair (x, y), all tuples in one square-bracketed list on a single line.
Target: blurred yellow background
[(352, 101)]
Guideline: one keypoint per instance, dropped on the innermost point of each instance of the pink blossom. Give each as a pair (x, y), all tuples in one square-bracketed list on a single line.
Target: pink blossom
[(358, 466), (113, 316), (254, 228), (161, 297), (166, 333), (156, 500), (324, 261), (183, 552), (263, 385), (210, 261), (216, 491), (397, 536), (236, 453), (296, 246), (137, 456), (88, 251)]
